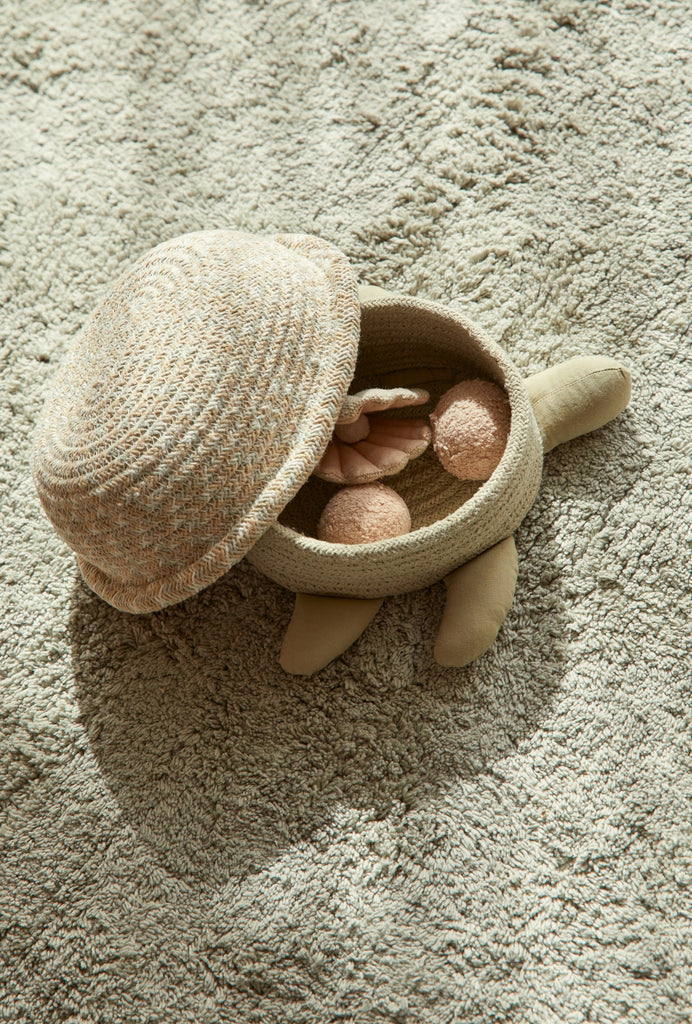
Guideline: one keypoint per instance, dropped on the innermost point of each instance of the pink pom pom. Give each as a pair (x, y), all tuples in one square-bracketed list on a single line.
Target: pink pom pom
[(362, 514), (470, 429)]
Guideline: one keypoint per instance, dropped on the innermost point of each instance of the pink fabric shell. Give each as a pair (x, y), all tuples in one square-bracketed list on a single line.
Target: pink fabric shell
[(364, 448), (379, 399)]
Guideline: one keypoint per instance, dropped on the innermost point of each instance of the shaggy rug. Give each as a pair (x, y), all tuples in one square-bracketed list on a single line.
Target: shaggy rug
[(187, 834)]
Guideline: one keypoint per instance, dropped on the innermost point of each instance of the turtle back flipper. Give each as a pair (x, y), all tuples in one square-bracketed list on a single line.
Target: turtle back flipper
[(479, 596), (577, 396), (322, 628)]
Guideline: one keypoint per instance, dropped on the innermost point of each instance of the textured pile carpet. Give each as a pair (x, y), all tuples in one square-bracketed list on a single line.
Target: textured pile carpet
[(188, 834)]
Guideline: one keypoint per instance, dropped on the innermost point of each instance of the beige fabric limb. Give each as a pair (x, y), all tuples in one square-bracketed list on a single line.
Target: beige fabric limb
[(479, 596), (321, 629), (577, 396)]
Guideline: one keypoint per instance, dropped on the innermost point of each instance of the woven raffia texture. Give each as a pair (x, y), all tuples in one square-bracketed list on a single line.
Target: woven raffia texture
[(191, 407), (187, 834)]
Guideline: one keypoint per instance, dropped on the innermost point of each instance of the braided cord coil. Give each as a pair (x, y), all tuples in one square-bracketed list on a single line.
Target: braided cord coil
[(191, 406)]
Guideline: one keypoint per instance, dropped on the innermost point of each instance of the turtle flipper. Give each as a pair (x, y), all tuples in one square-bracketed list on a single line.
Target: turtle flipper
[(321, 629), (577, 396), (479, 596)]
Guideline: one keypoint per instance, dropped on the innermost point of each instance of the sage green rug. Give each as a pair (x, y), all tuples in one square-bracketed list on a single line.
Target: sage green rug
[(187, 834)]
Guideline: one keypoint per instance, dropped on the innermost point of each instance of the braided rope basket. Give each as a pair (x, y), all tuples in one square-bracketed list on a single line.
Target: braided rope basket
[(452, 520), (188, 414)]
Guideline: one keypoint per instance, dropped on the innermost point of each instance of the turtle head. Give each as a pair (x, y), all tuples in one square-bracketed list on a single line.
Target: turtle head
[(578, 396)]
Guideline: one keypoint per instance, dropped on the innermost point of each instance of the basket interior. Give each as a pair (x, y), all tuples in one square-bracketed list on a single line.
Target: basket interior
[(407, 346)]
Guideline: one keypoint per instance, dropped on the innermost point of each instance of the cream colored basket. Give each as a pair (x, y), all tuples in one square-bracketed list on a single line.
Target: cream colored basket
[(414, 341), (188, 415)]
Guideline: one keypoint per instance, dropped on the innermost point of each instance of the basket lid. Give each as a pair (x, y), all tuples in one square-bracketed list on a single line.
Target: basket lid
[(191, 407)]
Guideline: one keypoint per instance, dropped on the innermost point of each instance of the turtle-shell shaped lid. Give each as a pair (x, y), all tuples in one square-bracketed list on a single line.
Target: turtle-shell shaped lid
[(192, 405)]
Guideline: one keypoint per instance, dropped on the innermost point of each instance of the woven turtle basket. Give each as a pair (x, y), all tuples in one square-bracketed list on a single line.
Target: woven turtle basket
[(408, 340), (187, 426)]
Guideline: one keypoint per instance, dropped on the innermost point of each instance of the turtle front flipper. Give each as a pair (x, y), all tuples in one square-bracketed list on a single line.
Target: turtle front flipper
[(577, 396), (479, 596), (321, 629)]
